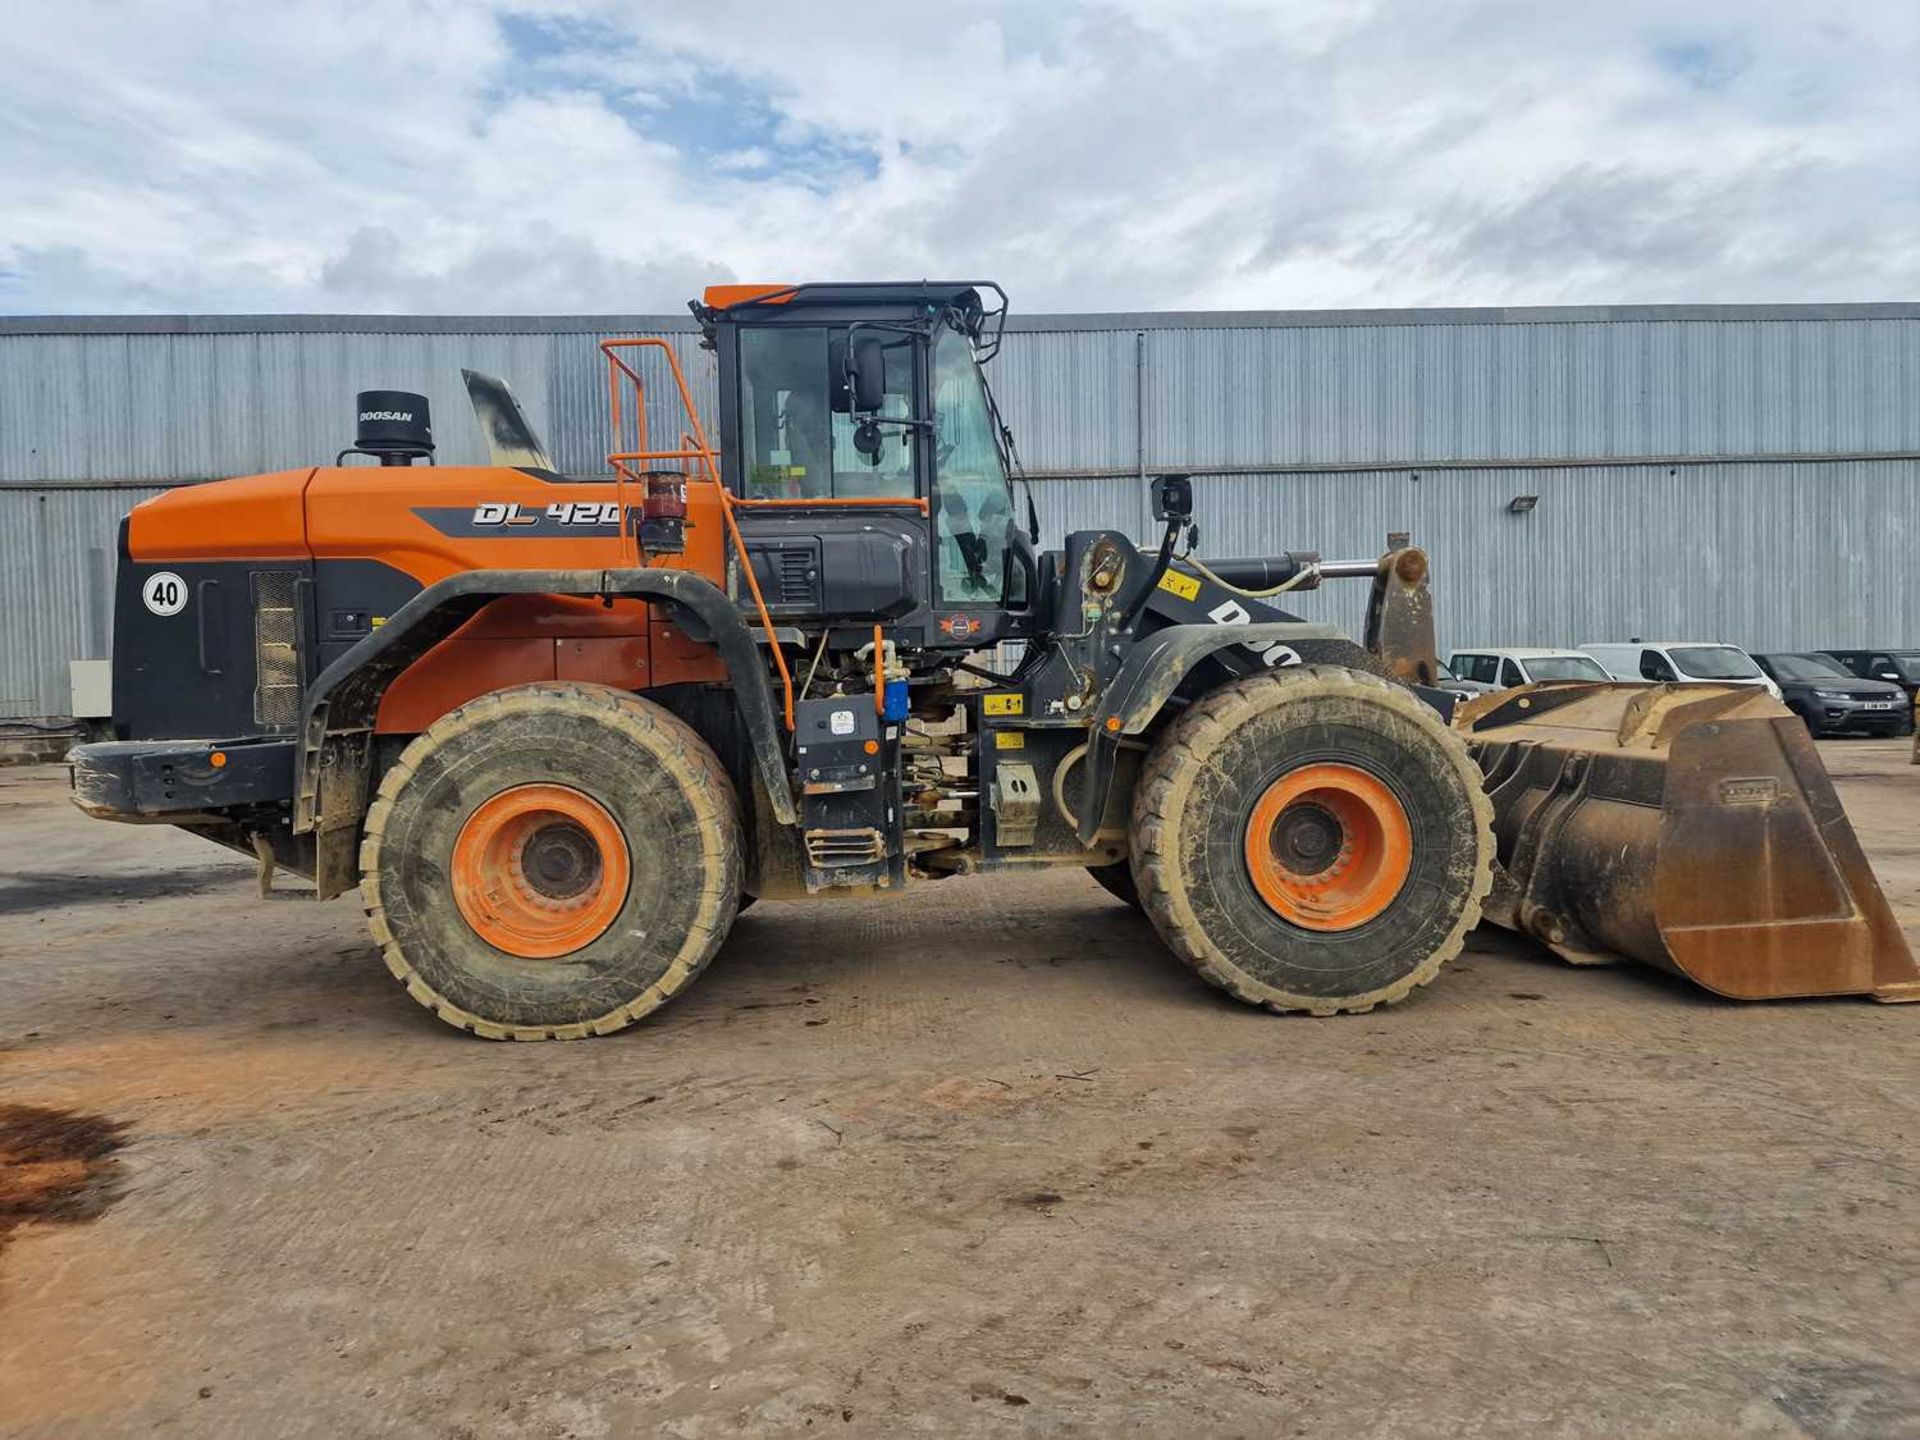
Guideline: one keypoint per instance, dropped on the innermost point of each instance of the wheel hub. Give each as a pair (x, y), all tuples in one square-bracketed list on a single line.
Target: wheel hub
[(539, 871), (1328, 846), (560, 860), (1307, 838)]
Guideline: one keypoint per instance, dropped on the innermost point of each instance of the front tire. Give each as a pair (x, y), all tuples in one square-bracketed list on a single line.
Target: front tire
[(1312, 839), (551, 862)]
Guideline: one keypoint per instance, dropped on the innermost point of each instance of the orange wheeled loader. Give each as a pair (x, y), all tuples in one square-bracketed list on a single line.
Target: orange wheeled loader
[(557, 730)]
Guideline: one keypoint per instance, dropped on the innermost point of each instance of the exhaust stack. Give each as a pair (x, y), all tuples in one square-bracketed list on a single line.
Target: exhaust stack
[(395, 427)]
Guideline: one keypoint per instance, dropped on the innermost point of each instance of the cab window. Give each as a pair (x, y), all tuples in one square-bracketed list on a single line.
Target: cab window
[(1510, 674), (972, 517), (1654, 666), (794, 445)]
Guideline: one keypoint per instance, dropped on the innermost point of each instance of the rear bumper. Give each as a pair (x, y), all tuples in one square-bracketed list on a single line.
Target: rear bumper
[(165, 780)]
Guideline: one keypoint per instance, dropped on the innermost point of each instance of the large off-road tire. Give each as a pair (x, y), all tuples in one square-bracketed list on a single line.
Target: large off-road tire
[(551, 862), (1312, 839), (1117, 880)]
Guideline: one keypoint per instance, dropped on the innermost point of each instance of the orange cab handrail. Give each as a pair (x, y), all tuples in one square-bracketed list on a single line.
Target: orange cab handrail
[(691, 447)]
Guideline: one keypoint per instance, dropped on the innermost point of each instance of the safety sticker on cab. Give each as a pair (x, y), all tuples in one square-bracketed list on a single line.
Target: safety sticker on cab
[(1003, 705)]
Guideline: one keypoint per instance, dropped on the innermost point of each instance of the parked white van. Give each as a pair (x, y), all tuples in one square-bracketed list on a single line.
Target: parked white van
[(1500, 667), (1681, 660)]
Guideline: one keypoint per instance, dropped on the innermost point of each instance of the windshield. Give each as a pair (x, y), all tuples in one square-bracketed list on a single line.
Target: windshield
[(1714, 662), (971, 511), (1804, 667), (1566, 667), (794, 445)]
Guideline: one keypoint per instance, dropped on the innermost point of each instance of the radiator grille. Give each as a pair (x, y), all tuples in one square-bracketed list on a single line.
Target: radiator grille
[(276, 648), (793, 576), (827, 849)]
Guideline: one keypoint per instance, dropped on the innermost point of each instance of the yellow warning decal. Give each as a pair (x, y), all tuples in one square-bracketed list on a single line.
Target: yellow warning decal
[(1185, 586), (1009, 739), (1003, 705)]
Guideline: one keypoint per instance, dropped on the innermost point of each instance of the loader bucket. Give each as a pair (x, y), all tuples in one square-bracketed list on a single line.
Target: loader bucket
[(1691, 827)]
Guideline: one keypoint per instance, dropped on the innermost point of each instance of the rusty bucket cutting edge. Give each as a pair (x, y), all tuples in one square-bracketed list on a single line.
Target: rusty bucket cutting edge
[(1689, 827)]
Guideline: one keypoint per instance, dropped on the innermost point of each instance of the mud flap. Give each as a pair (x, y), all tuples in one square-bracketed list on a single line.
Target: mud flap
[(1691, 828)]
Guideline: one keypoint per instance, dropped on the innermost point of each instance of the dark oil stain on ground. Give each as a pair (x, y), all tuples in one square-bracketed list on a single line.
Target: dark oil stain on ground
[(25, 893), (56, 1165)]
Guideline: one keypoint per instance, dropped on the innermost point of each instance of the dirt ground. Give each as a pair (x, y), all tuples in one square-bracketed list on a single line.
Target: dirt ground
[(981, 1160)]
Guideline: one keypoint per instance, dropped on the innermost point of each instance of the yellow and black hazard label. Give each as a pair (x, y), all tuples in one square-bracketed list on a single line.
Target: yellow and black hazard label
[(1009, 739), (1003, 705), (1175, 583)]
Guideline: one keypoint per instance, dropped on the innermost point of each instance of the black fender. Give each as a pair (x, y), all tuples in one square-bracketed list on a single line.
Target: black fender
[(333, 762), (1161, 659)]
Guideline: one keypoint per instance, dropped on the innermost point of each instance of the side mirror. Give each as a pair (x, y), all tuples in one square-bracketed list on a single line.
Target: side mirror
[(857, 365), (1889, 675), (857, 373), (1172, 497)]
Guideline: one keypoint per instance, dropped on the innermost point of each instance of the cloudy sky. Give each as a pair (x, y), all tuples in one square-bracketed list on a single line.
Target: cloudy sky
[(585, 157)]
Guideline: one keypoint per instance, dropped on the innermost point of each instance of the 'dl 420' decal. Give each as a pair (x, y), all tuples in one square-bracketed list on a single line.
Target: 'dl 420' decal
[(510, 517)]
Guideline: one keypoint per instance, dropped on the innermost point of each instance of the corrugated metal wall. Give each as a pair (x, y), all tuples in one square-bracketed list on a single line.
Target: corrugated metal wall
[(1741, 473), (57, 551), (1768, 556)]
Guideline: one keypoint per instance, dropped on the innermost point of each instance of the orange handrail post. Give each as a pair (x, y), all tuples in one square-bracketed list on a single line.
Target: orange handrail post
[(693, 447), (759, 602)]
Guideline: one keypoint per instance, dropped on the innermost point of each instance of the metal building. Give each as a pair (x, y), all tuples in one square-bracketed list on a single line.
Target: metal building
[(1746, 473)]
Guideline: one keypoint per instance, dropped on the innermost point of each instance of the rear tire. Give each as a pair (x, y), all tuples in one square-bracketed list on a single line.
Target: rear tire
[(551, 862), (1312, 839)]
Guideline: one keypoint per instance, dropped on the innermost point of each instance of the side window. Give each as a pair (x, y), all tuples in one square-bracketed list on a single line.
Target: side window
[(1882, 666), (783, 400), (794, 445), (973, 517), (1510, 674), (1474, 667), (889, 471), (1654, 666)]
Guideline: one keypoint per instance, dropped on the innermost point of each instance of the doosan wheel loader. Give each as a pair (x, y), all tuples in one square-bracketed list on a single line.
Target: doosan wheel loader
[(557, 730)]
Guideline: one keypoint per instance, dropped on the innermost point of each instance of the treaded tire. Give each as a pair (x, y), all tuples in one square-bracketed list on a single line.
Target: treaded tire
[(1117, 880), (1198, 789), (663, 787)]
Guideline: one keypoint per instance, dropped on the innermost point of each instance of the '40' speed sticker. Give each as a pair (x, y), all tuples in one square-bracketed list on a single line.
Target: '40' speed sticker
[(165, 593)]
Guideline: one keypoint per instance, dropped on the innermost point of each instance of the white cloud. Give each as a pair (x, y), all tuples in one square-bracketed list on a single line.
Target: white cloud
[(592, 155)]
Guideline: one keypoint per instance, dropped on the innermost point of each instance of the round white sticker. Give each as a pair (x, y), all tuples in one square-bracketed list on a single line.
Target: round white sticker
[(165, 593)]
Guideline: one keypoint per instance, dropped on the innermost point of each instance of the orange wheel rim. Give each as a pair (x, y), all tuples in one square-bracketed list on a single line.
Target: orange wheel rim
[(540, 870), (1328, 847)]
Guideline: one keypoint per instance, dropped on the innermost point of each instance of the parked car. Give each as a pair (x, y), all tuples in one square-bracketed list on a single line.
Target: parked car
[(1834, 702), (1897, 667), (1452, 680), (1502, 667), (1678, 661)]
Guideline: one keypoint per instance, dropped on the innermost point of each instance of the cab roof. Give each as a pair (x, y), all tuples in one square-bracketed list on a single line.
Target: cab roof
[(937, 293)]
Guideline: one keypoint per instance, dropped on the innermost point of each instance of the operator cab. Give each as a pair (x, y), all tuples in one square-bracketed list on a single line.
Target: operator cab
[(870, 456)]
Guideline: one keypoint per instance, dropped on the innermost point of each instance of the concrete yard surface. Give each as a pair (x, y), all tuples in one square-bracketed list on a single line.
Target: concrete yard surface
[(982, 1160)]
